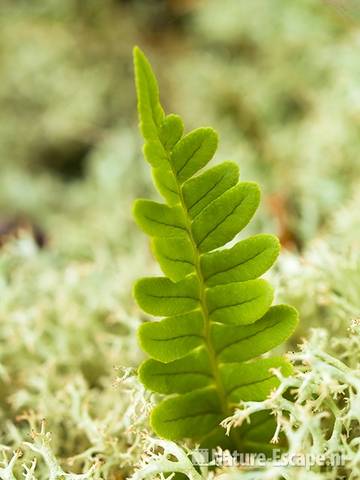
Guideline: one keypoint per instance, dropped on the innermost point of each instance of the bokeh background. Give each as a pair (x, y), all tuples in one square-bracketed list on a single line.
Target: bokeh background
[(278, 79)]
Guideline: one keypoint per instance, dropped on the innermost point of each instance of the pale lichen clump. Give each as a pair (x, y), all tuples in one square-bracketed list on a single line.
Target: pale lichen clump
[(322, 416), (317, 409), (165, 457), (109, 446), (63, 338), (66, 322)]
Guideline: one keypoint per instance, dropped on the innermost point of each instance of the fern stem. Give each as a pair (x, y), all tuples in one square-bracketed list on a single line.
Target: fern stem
[(205, 313), (207, 334), (226, 410)]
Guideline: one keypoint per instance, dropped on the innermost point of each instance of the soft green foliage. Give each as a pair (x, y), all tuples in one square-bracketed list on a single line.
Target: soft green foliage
[(218, 312)]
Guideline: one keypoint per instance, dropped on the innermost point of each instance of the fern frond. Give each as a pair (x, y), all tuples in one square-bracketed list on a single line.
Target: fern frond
[(218, 312)]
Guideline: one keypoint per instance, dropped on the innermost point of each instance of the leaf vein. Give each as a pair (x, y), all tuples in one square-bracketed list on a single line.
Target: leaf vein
[(167, 374), (175, 338), (234, 304), (149, 96), (206, 193), (180, 260), (234, 266), (194, 415), (190, 158), (171, 296), (241, 385), (219, 223), (164, 223), (246, 338)]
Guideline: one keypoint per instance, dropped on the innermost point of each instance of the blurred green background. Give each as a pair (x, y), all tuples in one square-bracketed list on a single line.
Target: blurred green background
[(278, 80)]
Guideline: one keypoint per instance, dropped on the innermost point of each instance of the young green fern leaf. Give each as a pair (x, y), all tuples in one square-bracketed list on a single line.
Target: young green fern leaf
[(218, 312)]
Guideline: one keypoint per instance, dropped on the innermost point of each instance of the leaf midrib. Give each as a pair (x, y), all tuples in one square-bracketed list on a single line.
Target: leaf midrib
[(203, 306)]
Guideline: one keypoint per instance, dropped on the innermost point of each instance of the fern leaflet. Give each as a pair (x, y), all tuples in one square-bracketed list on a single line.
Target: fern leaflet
[(218, 313)]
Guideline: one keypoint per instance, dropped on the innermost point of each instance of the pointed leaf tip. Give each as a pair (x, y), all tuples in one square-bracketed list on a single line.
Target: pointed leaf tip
[(151, 114)]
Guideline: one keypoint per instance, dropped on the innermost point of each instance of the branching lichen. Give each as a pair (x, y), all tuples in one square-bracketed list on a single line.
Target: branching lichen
[(321, 418)]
